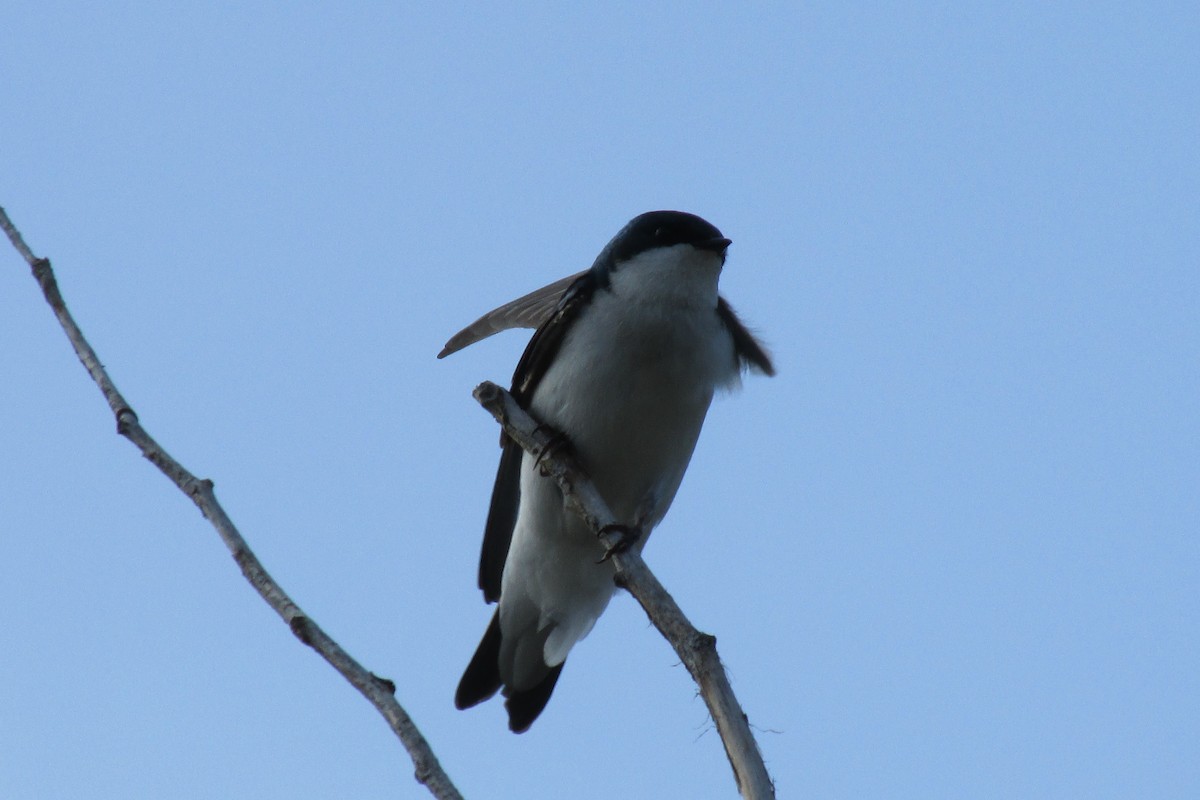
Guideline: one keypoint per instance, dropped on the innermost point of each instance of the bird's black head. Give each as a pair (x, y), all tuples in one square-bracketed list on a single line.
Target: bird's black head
[(659, 229)]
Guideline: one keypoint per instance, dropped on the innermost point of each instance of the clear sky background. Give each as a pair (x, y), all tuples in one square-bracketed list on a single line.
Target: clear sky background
[(950, 551)]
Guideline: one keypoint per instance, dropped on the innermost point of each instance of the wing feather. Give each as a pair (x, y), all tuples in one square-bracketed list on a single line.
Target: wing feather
[(750, 351), (529, 311)]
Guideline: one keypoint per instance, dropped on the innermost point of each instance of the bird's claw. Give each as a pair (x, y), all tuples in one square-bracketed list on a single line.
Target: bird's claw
[(626, 536), (558, 443)]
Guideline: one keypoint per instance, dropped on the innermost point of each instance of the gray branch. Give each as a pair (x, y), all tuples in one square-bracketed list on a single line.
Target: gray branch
[(697, 650), (378, 691)]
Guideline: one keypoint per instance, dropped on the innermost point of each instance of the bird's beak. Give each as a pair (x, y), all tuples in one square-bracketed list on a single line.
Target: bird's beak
[(717, 245)]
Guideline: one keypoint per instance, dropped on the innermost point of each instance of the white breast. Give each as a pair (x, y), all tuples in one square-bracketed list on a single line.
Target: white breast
[(634, 378)]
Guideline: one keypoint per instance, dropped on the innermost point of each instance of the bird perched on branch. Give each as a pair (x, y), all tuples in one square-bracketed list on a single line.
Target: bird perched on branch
[(623, 364)]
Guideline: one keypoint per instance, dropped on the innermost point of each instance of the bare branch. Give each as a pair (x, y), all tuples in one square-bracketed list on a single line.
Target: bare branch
[(697, 650), (379, 691)]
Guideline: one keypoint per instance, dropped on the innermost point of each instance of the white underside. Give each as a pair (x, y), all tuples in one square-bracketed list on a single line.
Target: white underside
[(630, 388)]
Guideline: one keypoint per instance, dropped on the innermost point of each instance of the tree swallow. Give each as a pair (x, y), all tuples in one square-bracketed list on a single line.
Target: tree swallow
[(624, 363)]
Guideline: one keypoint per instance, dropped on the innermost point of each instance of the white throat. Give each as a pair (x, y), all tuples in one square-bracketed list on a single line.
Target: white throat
[(674, 276)]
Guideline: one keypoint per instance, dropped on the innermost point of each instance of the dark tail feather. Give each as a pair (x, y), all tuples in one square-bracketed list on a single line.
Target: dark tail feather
[(524, 707), (482, 678)]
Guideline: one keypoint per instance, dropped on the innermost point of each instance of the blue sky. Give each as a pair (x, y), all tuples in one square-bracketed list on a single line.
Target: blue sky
[(950, 551)]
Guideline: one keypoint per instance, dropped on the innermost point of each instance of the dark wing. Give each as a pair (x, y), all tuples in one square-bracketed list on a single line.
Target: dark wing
[(750, 352), (506, 493), (502, 517), (548, 338), (529, 311)]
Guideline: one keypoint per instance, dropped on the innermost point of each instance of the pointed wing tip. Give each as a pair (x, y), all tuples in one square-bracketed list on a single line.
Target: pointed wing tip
[(457, 342)]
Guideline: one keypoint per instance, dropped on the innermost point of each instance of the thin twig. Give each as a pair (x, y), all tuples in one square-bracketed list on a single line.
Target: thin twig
[(379, 691), (697, 650)]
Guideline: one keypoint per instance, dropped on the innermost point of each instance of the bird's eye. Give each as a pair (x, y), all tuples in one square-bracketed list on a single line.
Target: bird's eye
[(659, 232)]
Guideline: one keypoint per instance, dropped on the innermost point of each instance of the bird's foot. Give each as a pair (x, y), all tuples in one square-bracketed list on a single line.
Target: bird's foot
[(558, 443), (625, 537)]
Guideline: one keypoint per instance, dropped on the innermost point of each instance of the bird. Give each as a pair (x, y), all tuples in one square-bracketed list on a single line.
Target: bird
[(623, 365)]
